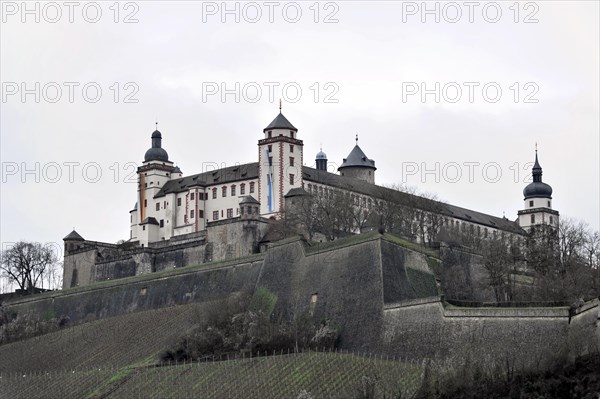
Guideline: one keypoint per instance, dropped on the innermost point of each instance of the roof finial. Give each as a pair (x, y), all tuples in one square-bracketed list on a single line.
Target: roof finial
[(280, 105), (536, 147), (356, 139), (321, 146), (156, 124)]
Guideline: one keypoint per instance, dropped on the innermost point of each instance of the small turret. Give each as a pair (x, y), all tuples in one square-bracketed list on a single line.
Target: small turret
[(321, 160), (156, 152), (358, 166)]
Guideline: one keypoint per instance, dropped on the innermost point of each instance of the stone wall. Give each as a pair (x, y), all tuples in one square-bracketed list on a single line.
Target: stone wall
[(228, 239), (526, 338), (377, 291)]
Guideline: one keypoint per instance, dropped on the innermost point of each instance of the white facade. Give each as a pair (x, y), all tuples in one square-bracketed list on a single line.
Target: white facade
[(280, 162), (170, 205)]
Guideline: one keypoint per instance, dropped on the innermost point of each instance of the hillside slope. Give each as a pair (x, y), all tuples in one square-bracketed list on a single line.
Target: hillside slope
[(117, 358)]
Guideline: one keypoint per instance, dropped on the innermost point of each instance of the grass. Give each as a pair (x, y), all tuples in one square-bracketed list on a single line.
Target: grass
[(117, 357), (342, 242), (412, 246), (324, 375), (423, 283)]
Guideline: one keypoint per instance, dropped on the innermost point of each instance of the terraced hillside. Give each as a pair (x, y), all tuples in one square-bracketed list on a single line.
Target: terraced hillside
[(117, 341), (117, 358), (323, 375)]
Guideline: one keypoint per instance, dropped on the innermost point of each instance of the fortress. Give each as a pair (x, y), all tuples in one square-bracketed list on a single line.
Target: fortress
[(226, 213), (199, 239)]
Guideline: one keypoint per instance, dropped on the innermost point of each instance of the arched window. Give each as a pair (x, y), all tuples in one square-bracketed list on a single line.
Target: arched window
[(214, 193), (224, 191), (242, 189), (233, 190)]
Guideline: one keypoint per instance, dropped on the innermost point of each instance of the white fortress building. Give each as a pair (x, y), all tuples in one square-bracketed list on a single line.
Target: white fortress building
[(227, 211)]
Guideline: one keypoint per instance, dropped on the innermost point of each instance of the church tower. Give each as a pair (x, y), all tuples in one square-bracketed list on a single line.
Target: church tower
[(155, 172), (538, 202), (358, 166), (279, 164)]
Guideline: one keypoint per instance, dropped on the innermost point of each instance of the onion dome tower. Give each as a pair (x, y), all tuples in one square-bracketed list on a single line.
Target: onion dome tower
[(538, 201), (155, 172)]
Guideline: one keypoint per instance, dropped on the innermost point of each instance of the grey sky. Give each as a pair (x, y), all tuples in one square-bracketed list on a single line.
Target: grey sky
[(368, 55)]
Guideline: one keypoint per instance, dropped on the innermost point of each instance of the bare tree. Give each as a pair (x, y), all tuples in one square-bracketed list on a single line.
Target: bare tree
[(25, 263), (498, 263)]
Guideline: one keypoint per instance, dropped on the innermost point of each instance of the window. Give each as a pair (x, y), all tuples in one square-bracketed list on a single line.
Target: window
[(270, 148), (144, 227), (291, 179), (214, 190), (229, 213), (145, 203), (233, 190), (531, 204), (291, 134), (291, 161), (162, 223), (192, 196), (532, 219), (178, 201), (551, 220), (223, 191), (270, 160), (200, 214), (270, 134), (145, 184), (242, 189), (164, 204), (548, 204), (158, 206), (215, 215), (251, 187), (291, 148), (192, 214)]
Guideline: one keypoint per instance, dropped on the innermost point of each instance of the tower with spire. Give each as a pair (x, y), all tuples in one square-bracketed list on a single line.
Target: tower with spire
[(538, 202), (358, 166), (155, 172), (280, 160)]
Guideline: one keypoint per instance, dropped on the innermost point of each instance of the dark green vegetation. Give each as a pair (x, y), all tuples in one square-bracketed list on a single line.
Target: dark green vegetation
[(244, 324), (579, 380)]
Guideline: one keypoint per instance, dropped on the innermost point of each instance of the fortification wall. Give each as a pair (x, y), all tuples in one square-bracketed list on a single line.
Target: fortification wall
[(345, 282), (376, 291), (152, 291), (524, 338)]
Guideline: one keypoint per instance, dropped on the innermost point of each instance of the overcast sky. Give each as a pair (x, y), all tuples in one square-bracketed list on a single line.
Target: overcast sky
[(361, 67)]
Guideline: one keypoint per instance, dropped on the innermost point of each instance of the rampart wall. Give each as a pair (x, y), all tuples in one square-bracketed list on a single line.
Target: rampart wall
[(382, 295)]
